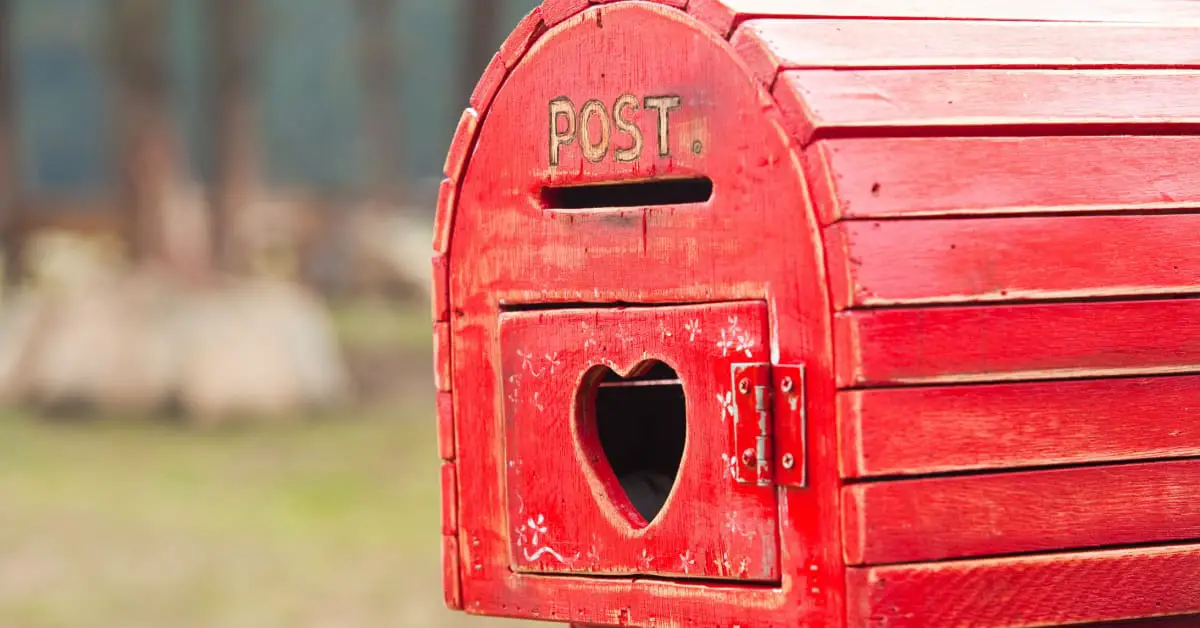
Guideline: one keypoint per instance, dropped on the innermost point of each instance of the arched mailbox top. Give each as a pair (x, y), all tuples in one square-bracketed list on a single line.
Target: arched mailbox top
[(953, 228)]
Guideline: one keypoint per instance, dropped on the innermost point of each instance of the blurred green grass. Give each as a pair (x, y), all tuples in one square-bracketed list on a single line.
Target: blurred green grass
[(328, 522)]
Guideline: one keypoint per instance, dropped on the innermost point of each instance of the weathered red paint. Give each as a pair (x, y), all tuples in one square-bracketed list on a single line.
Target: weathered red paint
[(962, 231), (712, 526)]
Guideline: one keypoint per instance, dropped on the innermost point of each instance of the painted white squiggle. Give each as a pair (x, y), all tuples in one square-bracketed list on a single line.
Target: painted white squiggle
[(544, 551), (527, 363), (533, 533), (693, 329), (553, 361), (663, 332)]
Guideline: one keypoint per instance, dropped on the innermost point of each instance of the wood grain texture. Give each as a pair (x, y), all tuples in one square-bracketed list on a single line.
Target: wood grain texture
[(711, 527), (508, 251), (441, 356), (859, 44), (461, 144), (878, 178), (451, 574), (1176, 621), (1054, 589), (920, 520), (890, 263), (440, 287), (443, 220), (449, 494), (445, 425), (853, 103), (1017, 342), (725, 15), (555, 12), (757, 239), (678, 4), (527, 31), (489, 83), (928, 430)]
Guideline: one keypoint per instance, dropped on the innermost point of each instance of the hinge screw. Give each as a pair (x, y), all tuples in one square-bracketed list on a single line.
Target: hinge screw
[(789, 461), (788, 384), (744, 386)]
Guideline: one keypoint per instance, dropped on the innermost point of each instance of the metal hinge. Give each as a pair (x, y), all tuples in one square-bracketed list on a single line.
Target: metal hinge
[(768, 431)]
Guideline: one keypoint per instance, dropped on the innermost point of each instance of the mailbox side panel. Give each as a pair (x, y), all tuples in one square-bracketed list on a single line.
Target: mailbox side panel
[(1009, 212)]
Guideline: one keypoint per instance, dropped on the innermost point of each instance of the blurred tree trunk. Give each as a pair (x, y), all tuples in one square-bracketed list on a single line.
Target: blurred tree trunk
[(382, 112), (148, 149), (479, 18), (10, 170), (235, 109)]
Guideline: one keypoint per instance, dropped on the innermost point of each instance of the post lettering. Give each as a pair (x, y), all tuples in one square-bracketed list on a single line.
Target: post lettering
[(626, 155), (594, 149), (565, 109), (664, 105), (592, 128)]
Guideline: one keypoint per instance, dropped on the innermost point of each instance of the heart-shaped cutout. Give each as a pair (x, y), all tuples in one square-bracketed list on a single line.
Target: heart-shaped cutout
[(634, 430)]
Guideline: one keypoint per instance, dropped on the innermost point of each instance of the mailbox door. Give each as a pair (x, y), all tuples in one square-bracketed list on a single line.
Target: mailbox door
[(619, 433)]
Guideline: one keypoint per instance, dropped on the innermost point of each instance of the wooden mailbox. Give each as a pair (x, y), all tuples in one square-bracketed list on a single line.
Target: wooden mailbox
[(826, 313)]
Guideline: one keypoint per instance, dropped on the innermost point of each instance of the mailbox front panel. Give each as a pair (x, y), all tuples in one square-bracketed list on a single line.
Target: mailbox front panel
[(629, 171), (609, 413)]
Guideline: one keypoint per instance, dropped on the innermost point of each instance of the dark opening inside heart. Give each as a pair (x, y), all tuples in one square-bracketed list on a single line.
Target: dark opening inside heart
[(642, 427)]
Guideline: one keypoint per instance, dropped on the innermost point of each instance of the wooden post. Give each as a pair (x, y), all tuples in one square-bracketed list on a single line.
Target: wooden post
[(10, 174), (381, 116), (148, 149), (235, 110)]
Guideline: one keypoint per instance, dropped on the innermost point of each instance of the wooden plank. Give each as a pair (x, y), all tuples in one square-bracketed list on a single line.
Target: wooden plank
[(1016, 342), (1053, 589), (440, 287), (772, 46), (1004, 259), (555, 12), (449, 494), (908, 521), (451, 575), (678, 4), (460, 145), (1176, 621), (725, 15), (830, 103), (441, 356), (921, 431), (443, 220), (489, 84), (878, 178), (445, 425), (522, 37)]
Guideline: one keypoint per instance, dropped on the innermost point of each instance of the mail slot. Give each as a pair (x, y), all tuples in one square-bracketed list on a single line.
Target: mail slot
[(825, 313)]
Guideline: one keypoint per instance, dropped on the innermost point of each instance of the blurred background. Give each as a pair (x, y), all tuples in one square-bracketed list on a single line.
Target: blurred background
[(215, 374)]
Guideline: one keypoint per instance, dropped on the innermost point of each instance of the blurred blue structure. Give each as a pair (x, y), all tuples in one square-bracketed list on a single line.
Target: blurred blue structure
[(311, 98)]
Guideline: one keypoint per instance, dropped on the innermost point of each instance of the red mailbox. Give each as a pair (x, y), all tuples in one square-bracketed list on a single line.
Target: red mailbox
[(826, 313)]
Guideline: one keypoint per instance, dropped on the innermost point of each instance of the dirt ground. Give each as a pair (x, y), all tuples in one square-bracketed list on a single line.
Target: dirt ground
[(328, 522)]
